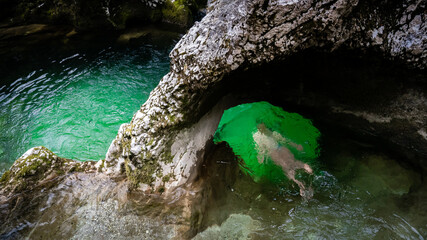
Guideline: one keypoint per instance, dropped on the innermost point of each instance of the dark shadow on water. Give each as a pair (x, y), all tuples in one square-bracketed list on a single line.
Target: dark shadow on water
[(359, 189)]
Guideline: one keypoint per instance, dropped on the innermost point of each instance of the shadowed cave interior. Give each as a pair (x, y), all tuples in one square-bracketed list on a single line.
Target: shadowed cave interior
[(314, 84)]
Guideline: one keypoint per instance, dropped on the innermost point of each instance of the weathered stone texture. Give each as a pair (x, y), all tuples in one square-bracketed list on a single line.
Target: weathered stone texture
[(243, 34), (37, 167)]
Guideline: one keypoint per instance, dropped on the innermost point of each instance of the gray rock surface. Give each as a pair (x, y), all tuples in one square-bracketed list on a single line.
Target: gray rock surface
[(86, 206), (238, 35)]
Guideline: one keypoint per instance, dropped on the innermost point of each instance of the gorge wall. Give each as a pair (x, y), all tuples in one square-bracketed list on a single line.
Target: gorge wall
[(375, 52), (165, 141)]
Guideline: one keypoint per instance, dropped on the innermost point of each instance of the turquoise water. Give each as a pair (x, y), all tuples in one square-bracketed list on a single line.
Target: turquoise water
[(242, 128), (360, 191), (74, 101)]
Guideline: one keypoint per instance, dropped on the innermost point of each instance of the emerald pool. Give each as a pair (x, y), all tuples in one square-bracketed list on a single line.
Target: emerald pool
[(73, 99), (361, 190)]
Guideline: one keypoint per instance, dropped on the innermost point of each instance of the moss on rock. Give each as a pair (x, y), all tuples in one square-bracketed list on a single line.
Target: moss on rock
[(102, 166), (92, 14), (145, 174), (177, 12), (168, 177), (36, 166), (5, 177)]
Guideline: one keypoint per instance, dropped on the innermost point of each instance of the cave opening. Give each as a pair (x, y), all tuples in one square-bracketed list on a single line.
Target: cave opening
[(361, 95), (348, 95)]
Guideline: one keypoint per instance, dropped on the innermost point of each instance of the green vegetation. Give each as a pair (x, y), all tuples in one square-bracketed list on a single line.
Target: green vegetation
[(168, 177), (145, 174), (90, 14), (76, 168), (101, 167), (177, 12), (34, 164)]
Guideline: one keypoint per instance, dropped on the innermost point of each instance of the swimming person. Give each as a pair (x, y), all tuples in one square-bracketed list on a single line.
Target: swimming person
[(270, 143)]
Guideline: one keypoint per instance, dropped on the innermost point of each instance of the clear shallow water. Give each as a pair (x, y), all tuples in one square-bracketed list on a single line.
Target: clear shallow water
[(74, 101), (360, 192)]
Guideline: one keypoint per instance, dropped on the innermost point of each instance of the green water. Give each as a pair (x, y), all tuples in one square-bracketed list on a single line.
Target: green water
[(239, 128), (73, 101), (360, 192)]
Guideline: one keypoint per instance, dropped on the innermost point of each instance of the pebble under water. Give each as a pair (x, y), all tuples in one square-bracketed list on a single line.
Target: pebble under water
[(74, 101)]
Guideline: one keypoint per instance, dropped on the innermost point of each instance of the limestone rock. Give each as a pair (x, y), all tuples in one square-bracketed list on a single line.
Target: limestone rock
[(238, 35), (37, 167)]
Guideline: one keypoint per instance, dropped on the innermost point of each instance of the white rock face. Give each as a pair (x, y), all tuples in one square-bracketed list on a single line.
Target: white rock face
[(169, 132)]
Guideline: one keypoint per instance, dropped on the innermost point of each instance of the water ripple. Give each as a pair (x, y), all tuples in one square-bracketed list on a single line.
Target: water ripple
[(74, 105)]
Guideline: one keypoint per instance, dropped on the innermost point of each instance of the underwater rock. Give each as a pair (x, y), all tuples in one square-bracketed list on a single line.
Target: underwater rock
[(388, 176), (237, 226), (100, 221)]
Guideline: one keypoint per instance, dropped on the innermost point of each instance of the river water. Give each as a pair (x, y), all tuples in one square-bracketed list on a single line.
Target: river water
[(73, 101), (361, 191)]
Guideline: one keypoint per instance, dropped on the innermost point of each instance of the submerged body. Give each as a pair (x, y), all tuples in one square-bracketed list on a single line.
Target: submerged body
[(270, 144)]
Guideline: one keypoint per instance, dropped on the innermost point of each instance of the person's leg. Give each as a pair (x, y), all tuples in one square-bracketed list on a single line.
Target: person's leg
[(308, 169), (303, 191)]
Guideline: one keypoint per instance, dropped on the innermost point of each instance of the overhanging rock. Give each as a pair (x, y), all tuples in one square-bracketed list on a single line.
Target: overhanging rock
[(166, 137)]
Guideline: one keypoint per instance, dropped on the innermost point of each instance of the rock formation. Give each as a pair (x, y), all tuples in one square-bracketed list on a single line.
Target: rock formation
[(160, 151), (165, 140)]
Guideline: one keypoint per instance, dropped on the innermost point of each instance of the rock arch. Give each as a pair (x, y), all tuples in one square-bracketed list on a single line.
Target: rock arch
[(166, 138)]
